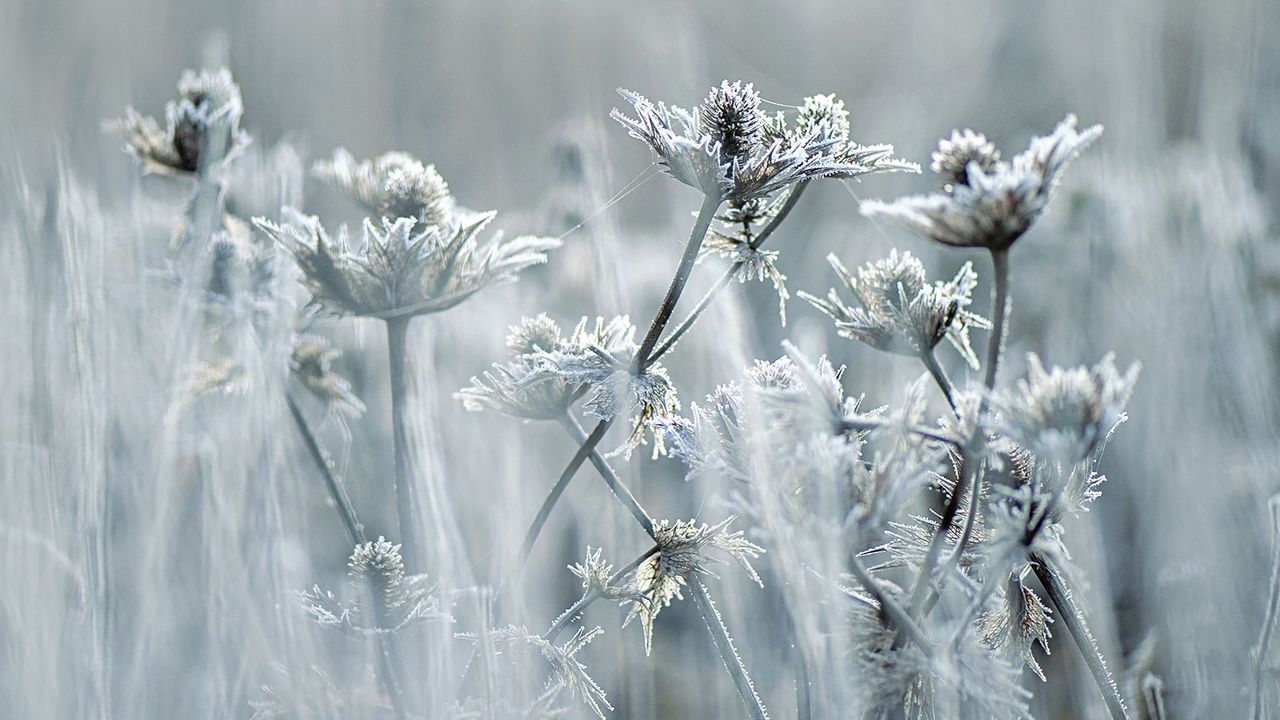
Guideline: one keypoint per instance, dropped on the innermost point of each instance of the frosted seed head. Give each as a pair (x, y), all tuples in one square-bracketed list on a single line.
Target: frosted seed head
[(731, 117)]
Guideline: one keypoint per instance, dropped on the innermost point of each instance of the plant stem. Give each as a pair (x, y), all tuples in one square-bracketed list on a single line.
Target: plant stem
[(1056, 587), (406, 506), (706, 214), (666, 345), (968, 469), (930, 360), (641, 362), (611, 478), (873, 423), (331, 482), (577, 608), (907, 627), (389, 655), (1273, 608), (585, 450), (728, 654)]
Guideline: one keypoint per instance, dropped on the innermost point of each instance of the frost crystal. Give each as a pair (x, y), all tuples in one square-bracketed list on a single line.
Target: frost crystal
[(899, 311), (566, 670), (996, 204), (402, 268), (207, 101)]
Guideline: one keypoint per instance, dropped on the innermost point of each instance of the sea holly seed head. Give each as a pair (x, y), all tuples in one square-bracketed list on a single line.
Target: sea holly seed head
[(731, 117), (951, 159)]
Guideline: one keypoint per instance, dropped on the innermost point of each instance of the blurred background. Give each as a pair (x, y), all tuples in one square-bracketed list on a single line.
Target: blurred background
[(147, 562)]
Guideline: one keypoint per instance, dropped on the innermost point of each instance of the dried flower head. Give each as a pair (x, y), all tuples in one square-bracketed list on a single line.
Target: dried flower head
[(951, 159), (399, 270), (311, 363), (994, 205), (1061, 415), (386, 601), (736, 241), (1020, 621), (899, 311), (722, 148), (681, 557), (393, 185), (825, 119), (202, 127), (523, 387)]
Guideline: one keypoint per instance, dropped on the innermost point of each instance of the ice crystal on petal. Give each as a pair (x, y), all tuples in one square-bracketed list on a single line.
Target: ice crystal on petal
[(682, 557), (994, 207), (393, 185), (1061, 415), (898, 311), (208, 102), (399, 270)]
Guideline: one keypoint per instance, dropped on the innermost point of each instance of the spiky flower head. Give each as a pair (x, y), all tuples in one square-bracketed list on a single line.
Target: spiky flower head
[(899, 311), (523, 387), (393, 185), (951, 159), (202, 127), (312, 364), (387, 600), (995, 205), (598, 579), (731, 116), (1061, 415), (682, 556), (1020, 621), (825, 119), (724, 148), (402, 268)]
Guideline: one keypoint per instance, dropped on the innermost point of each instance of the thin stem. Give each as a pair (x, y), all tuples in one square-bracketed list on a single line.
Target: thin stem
[(792, 199), (691, 249), (585, 450), (1056, 587), (1000, 309), (968, 470), (728, 654), (907, 627), (611, 478), (406, 505), (641, 362), (930, 360), (576, 609), (1273, 608), (331, 482)]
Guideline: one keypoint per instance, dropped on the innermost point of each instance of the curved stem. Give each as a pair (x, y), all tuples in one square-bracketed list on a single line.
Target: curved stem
[(1056, 587), (930, 360), (728, 654), (792, 199), (406, 505), (611, 478), (355, 531)]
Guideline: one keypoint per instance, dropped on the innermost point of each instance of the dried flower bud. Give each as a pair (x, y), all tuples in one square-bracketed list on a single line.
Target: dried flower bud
[(731, 117), (951, 159)]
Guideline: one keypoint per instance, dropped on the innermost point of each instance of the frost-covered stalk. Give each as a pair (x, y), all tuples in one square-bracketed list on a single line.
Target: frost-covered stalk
[(406, 499), (1273, 609), (728, 653), (355, 531), (1055, 585), (793, 197)]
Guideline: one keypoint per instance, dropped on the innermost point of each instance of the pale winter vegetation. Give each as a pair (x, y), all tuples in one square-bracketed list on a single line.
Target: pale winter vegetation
[(298, 434)]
